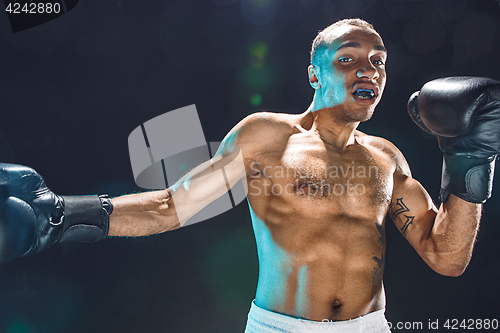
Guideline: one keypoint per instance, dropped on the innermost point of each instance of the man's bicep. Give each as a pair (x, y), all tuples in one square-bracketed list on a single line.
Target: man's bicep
[(225, 173), (206, 183), (412, 211), (218, 177)]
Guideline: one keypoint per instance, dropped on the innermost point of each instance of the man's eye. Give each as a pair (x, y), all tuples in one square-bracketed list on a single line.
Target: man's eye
[(346, 59), (378, 62)]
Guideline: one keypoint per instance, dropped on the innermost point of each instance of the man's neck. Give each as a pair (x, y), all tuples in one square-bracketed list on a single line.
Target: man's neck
[(332, 129)]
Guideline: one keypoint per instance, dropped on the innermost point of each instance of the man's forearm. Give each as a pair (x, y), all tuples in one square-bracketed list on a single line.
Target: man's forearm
[(453, 235), (155, 212), (143, 214)]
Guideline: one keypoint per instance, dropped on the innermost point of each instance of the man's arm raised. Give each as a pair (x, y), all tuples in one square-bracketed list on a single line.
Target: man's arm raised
[(464, 114), (444, 238)]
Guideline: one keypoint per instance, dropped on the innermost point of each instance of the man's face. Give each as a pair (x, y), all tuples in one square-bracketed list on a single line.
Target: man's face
[(352, 72)]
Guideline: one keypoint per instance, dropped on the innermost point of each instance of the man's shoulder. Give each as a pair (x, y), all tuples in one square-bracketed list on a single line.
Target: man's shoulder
[(259, 132), (386, 148), (270, 119), (266, 125), (376, 142)]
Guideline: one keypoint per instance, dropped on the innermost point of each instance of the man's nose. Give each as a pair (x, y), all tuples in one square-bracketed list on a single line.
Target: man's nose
[(367, 71)]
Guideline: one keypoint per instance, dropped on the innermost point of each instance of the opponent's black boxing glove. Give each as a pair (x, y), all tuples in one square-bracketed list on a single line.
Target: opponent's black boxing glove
[(32, 218), (464, 114)]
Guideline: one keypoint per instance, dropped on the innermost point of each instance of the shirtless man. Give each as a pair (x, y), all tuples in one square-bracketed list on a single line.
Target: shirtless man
[(318, 191)]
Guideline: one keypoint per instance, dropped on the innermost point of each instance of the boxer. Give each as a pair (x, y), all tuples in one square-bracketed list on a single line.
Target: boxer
[(318, 191)]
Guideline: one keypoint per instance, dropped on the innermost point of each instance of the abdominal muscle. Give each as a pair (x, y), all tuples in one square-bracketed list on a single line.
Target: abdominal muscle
[(315, 263)]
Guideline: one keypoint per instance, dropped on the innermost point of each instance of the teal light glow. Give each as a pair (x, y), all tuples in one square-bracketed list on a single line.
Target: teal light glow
[(330, 86), (230, 268), (256, 99), (335, 91), (274, 267), (258, 76), (301, 299), (19, 326)]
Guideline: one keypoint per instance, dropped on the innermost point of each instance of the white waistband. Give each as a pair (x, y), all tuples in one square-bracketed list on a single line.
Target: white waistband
[(264, 321)]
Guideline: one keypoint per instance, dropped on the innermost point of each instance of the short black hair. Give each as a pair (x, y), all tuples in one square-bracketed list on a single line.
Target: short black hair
[(322, 39)]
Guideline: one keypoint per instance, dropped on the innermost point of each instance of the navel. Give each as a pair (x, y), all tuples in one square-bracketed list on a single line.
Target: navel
[(336, 305)]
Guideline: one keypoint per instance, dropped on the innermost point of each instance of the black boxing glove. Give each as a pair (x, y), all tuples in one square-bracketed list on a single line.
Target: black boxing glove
[(32, 218), (464, 114)]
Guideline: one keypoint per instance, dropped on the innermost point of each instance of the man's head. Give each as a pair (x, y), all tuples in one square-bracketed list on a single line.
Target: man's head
[(348, 68), (327, 35)]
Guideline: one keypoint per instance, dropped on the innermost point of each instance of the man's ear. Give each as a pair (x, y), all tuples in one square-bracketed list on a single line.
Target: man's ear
[(313, 72)]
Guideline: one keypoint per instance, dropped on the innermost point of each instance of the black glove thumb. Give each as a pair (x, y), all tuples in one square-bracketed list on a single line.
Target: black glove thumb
[(415, 115)]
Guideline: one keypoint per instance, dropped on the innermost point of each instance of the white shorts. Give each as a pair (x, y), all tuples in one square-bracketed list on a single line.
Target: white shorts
[(264, 321)]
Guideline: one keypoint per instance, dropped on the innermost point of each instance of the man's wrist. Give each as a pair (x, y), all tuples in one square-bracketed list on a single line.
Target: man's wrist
[(469, 178), (85, 218)]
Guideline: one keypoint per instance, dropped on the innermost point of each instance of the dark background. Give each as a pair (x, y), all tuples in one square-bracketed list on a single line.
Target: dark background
[(73, 89)]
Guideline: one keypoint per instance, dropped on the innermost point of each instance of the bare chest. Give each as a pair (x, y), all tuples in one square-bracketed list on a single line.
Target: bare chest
[(308, 171)]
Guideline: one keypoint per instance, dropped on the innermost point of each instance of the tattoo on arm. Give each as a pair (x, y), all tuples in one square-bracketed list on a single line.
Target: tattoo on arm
[(409, 220), (400, 209)]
